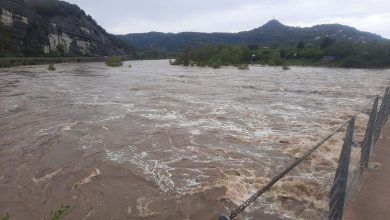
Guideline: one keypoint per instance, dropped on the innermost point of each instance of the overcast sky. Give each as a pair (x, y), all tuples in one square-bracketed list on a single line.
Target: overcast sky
[(135, 16)]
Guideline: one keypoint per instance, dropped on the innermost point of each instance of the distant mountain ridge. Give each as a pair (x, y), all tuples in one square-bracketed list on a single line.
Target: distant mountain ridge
[(53, 28), (271, 33)]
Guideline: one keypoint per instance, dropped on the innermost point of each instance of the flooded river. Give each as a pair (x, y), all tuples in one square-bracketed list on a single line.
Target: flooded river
[(168, 142)]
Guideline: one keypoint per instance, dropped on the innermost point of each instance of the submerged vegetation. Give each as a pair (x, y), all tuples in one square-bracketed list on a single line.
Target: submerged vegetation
[(51, 67), (59, 214), (114, 61), (328, 52), (54, 215), (6, 217), (243, 67)]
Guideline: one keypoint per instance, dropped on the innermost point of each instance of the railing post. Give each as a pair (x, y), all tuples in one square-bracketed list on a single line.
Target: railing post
[(382, 115), (369, 135), (387, 107), (338, 191)]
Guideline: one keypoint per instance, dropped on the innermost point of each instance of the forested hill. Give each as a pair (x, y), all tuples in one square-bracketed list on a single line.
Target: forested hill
[(271, 34), (53, 28)]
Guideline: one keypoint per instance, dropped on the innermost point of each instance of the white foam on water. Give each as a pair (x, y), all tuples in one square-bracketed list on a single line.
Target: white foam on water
[(163, 115), (47, 177), (90, 141), (196, 131), (95, 172), (143, 207), (68, 127), (156, 170)]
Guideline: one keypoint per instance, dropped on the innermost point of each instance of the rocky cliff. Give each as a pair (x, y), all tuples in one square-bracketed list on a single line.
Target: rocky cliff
[(52, 27)]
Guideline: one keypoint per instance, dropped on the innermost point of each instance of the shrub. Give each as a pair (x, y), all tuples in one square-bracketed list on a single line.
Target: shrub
[(5, 64), (243, 67), (114, 61), (192, 63), (51, 67), (58, 214), (215, 63), (6, 217)]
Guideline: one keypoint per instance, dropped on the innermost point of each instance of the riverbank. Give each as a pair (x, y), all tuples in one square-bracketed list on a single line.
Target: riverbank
[(23, 61)]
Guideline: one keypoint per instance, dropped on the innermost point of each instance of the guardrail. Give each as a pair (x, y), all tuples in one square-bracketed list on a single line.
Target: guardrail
[(344, 181)]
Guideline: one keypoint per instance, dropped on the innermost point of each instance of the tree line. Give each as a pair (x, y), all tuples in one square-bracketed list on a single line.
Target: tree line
[(328, 52)]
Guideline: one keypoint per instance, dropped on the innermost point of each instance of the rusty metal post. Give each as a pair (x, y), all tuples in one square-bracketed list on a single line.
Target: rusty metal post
[(338, 191), (369, 135), (381, 117), (387, 107)]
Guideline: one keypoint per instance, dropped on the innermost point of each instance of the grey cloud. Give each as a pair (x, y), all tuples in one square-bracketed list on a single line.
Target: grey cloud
[(123, 16)]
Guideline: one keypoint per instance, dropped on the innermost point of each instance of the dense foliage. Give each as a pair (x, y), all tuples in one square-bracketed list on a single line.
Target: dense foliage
[(368, 55), (214, 56), (153, 53), (114, 61), (329, 52), (52, 8), (5, 40)]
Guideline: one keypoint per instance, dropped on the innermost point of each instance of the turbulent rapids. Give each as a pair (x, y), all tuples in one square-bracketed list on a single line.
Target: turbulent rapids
[(170, 142)]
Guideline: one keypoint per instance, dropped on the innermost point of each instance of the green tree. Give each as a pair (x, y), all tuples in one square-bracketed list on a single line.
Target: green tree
[(224, 55), (300, 45), (326, 42), (61, 49)]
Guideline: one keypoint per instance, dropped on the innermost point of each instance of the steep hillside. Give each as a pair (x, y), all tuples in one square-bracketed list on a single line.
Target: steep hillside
[(52, 27), (269, 34)]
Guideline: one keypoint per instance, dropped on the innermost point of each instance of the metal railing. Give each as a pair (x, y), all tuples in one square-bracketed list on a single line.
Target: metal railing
[(344, 180)]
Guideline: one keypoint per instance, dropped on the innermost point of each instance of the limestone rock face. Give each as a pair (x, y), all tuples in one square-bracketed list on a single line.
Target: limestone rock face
[(39, 27)]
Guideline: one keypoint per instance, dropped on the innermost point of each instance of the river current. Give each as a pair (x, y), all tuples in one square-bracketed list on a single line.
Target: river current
[(156, 141)]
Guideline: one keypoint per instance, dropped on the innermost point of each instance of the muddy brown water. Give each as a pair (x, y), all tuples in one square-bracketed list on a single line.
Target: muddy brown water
[(168, 142)]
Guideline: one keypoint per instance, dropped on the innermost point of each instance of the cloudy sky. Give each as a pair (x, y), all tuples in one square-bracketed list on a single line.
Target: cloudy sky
[(135, 16)]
